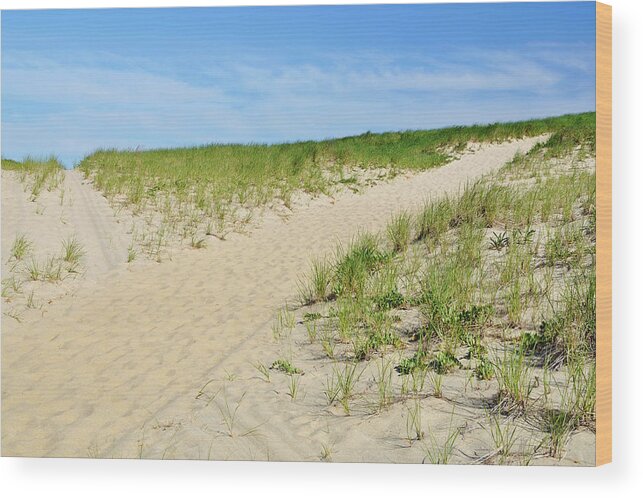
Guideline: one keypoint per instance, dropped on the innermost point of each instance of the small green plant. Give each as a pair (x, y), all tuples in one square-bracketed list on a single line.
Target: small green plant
[(443, 362), (209, 228), (418, 379), (564, 246), (53, 270), (10, 287), (229, 413), (559, 424), (583, 390), (407, 365), (72, 251), (31, 300), (514, 381), (286, 367), (354, 266), (391, 300), (498, 241), (21, 247), (474, 342), (433, 221), (288, 318), (484, 369), (34, 270), (476, 316), (328, 344), (311, 317), (285, 320), (515, 303), (522, 237), (531, 342)]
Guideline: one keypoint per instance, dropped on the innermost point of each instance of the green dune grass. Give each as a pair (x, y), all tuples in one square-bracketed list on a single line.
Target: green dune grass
[(255, 174)]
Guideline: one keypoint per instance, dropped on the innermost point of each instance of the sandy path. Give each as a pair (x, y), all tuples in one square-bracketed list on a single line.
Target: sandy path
[(92, 217), (132, 351), (72, 210)]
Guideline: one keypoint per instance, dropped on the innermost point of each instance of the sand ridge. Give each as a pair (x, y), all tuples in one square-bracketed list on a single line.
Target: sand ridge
[(114, 370)]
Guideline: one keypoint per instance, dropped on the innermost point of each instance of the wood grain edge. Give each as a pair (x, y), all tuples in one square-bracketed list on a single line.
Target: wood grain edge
[(603, 233)]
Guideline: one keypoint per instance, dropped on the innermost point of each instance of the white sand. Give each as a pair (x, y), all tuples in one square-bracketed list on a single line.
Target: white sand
[(113, 370)]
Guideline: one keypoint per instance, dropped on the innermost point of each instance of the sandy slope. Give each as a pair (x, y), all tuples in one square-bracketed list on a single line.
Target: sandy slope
[(114, 370)]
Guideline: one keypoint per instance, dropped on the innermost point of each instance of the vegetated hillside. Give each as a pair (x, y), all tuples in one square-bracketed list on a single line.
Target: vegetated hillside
[(490, 292), (190, 193)]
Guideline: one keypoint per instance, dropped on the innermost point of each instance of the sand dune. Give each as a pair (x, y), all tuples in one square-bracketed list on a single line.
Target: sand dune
[(113, 369)]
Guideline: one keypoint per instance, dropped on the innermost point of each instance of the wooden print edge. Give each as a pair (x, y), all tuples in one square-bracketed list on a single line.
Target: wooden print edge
[(603, 233)]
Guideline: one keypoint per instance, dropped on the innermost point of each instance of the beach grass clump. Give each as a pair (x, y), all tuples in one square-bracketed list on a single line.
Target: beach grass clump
[(354, 265), (20, 248), (432, 222), (11, 287), (513, 374), (318, 286), (399, 231), (33, 270), (72, 251)]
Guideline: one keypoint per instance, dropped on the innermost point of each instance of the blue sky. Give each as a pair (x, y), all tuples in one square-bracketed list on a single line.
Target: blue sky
[(77, 80)]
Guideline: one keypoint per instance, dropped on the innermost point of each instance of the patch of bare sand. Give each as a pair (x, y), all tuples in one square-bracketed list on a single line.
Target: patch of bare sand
[(116, 371)]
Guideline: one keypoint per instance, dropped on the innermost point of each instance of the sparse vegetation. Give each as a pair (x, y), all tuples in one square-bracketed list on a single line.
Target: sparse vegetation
[(36, 174), (479, 269)]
